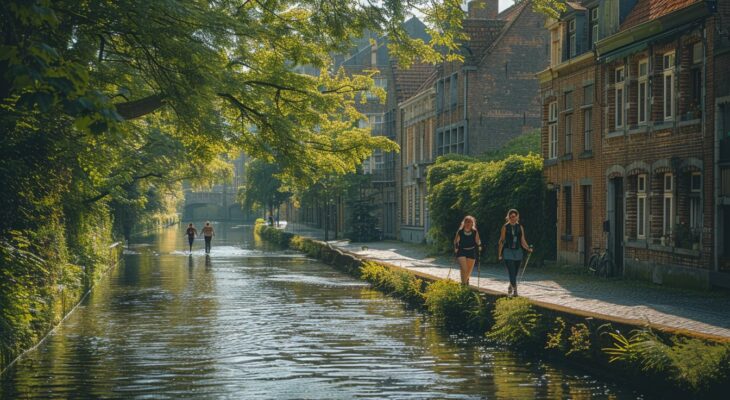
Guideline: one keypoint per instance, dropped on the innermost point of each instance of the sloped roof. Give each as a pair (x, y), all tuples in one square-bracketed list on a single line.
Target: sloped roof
[(510, 15), (429, 82), (409, 81), (647, 10)]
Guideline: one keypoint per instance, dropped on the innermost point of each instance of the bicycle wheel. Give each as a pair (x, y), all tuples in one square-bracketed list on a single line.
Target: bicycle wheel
[(593, 265)]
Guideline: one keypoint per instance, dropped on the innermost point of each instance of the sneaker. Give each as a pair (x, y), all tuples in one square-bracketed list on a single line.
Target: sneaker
[(514, 292), (509, 290)]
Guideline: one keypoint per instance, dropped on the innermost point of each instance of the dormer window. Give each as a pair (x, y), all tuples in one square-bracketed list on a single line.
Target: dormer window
[(594, 25)]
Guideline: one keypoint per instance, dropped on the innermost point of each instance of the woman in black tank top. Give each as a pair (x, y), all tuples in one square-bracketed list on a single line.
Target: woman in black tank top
[(467, 246)]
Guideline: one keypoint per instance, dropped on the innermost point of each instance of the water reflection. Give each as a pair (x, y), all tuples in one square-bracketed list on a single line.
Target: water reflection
[(249, 321)]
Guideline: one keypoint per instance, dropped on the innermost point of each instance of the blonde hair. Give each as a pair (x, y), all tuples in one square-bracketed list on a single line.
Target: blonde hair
[(473, 222), (512, 211)]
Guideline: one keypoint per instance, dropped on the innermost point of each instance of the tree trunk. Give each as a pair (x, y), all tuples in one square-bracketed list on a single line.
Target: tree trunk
[(326, 221)]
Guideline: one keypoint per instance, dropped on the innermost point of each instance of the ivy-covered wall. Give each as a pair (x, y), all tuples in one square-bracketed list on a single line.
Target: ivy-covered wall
[(487, 190)]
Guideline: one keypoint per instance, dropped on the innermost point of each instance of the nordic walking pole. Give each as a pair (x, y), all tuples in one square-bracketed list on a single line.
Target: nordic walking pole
[(479, 273), (525, 267)]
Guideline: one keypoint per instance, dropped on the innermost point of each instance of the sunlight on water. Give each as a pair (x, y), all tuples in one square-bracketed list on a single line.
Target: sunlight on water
[(253, 322)]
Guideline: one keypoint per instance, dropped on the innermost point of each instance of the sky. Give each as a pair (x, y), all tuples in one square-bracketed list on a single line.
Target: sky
[(505, 4)]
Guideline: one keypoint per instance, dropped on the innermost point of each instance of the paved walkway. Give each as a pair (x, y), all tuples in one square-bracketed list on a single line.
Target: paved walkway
[(639, 303)]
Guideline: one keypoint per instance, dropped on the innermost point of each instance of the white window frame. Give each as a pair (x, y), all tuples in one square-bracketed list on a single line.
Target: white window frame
[(594, 25), (641, 214), (668, 109), (620, 97), (587, 129), (695, 202), (642, 101), (553, 130), (568, 133), (555, 47), (571, 38), (668, 204)]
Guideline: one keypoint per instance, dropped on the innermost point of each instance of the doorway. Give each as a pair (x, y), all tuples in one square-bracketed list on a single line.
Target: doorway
[(587, 237), (616, 223)]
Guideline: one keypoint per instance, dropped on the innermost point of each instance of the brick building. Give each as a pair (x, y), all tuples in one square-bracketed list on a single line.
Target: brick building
[(628, 127), (417, 133), (492, 96)]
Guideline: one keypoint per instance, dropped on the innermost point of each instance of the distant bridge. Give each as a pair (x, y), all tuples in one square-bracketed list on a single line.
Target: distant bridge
[(211, 205)]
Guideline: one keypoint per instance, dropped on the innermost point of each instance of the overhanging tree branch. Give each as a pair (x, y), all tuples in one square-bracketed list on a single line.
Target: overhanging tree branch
[(139, 108)]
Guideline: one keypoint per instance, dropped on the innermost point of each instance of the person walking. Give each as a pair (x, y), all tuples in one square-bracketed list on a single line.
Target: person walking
[(511, 242), (208, 235), (467, 244), (192, 233)]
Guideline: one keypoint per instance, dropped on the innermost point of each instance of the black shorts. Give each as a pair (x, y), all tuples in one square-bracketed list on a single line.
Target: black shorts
[(470, 253), (191, 239)]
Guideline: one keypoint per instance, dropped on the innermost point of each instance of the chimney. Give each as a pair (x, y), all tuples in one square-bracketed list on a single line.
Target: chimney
[(484, 9)]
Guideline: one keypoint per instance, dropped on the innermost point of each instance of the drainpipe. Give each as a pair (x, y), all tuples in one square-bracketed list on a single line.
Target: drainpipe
[(466, 121)]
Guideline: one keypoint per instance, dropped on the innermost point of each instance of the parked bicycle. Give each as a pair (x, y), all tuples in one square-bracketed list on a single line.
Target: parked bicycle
[(600, 263)]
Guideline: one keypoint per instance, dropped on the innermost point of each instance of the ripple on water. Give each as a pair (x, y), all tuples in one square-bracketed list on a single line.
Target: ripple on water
[(256, 324)]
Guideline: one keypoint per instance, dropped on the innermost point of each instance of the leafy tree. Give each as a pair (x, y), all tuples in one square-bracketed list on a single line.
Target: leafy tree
[(363, 226), (523, 145), (262, 188)]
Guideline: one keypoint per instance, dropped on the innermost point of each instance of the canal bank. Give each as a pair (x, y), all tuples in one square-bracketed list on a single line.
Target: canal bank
[(255, 321), (670, 357)]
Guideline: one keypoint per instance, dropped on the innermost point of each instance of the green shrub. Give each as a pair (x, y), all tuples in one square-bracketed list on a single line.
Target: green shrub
[(455, 305), (579, 339), (401, 284), (690, 363), (556, 338), (517, 323)]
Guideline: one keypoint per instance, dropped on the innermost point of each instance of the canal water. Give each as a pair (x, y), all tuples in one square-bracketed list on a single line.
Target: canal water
[(254, 322)]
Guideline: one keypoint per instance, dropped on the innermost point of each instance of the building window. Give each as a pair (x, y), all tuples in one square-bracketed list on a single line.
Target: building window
[(568, 133), (450, 140), (571, 38), (440, 95), (553, 130), (587, 146), (695, 202), (620, 98), (555, 47), (568, 210), (641, 215), (668, 208), (568, 101), (642, 100), (594, 26), (695, 86), (668, 86), (417, 206), (587, 95), (454, 89)]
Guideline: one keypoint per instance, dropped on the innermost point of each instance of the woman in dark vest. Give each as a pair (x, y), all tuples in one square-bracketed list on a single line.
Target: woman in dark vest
[(466, 246), (511, 242)]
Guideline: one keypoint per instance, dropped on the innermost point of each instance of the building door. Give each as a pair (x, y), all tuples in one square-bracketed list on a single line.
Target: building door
[(551, 224), (724, 240), (587, 238), (616, 221)]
